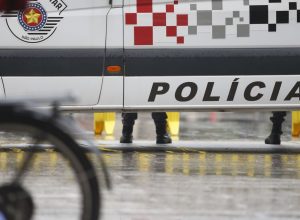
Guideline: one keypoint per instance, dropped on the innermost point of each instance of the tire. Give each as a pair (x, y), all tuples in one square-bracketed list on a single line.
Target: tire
[(86, 176)]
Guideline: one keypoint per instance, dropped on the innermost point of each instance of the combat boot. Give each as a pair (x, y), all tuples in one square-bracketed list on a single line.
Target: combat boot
[(126, 137), (275, 136), (162, 136)]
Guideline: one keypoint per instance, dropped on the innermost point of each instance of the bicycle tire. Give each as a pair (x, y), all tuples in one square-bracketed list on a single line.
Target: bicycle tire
[(14, 117)]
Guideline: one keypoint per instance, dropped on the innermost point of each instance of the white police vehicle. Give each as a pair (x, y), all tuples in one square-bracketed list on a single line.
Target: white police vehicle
[(154, 54)]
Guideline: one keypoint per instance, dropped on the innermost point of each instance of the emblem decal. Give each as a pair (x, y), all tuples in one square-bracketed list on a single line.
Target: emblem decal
[(33, 18), (32, 24)]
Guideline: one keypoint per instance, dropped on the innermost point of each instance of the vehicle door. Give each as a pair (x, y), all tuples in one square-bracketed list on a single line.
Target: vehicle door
[(216, 54), (111, 97), (53, 49)]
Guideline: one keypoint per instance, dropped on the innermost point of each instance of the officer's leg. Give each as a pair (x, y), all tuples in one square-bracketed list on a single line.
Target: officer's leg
[(128, 123), (277, 120), (160, 120)]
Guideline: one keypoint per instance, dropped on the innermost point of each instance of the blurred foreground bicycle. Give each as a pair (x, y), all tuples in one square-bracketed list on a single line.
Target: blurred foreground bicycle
[(47, 129)]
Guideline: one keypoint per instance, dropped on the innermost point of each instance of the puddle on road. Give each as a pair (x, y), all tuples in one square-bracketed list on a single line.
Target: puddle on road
[(170, 185), (174, 163)]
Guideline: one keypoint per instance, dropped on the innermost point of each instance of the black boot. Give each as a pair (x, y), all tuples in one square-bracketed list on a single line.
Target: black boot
[(162, 136), (126, 134), (277, 120)]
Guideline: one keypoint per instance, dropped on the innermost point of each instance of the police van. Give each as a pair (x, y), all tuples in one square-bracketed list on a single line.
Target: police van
[(154, 54)]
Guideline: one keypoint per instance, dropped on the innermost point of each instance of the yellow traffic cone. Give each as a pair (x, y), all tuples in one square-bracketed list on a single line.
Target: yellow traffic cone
[(104, 122), (109, 123), (98, 123), (296, 124)]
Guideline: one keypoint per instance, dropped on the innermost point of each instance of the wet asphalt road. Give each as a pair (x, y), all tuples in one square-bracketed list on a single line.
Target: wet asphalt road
[(175, 184)]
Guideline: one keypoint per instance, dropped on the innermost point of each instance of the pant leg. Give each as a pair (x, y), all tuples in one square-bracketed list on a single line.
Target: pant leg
[(277, 120), (159, 117), (160, 120), (128, 120), (275, 136)]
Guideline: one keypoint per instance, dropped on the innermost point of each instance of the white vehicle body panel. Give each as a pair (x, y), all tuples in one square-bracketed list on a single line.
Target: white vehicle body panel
[(209, 41), (2, 91), (80, 25), (112, 87), (115, 29), (43, 87), (112, 93), (211, 46)]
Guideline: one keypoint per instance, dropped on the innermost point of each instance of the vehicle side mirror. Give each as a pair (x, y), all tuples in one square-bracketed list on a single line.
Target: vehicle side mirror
[(6, 5)]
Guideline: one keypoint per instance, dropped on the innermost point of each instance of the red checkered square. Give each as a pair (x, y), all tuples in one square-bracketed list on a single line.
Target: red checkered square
[(171, 31), (170, 8), (159, 19), (143, 35), (147, 17), (131, 18), (144, 6), (180, 40), (182, 20)]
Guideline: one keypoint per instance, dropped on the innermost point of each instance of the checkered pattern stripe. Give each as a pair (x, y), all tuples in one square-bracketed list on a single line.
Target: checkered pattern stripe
[(154, 23), (145, 19)]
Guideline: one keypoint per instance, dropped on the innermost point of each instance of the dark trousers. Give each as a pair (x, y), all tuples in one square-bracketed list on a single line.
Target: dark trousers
[(277, 120), (160, 120), (129, 118)]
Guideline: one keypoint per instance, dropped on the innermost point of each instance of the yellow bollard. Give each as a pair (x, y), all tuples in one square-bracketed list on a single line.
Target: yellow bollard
[(296, 124), (173, 123), (104, 122)]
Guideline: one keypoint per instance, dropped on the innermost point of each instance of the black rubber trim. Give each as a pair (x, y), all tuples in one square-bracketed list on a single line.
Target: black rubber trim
[(52, 62), (206, 62)]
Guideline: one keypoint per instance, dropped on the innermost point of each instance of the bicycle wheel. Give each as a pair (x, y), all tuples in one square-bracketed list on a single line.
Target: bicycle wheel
[(44, 130)]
